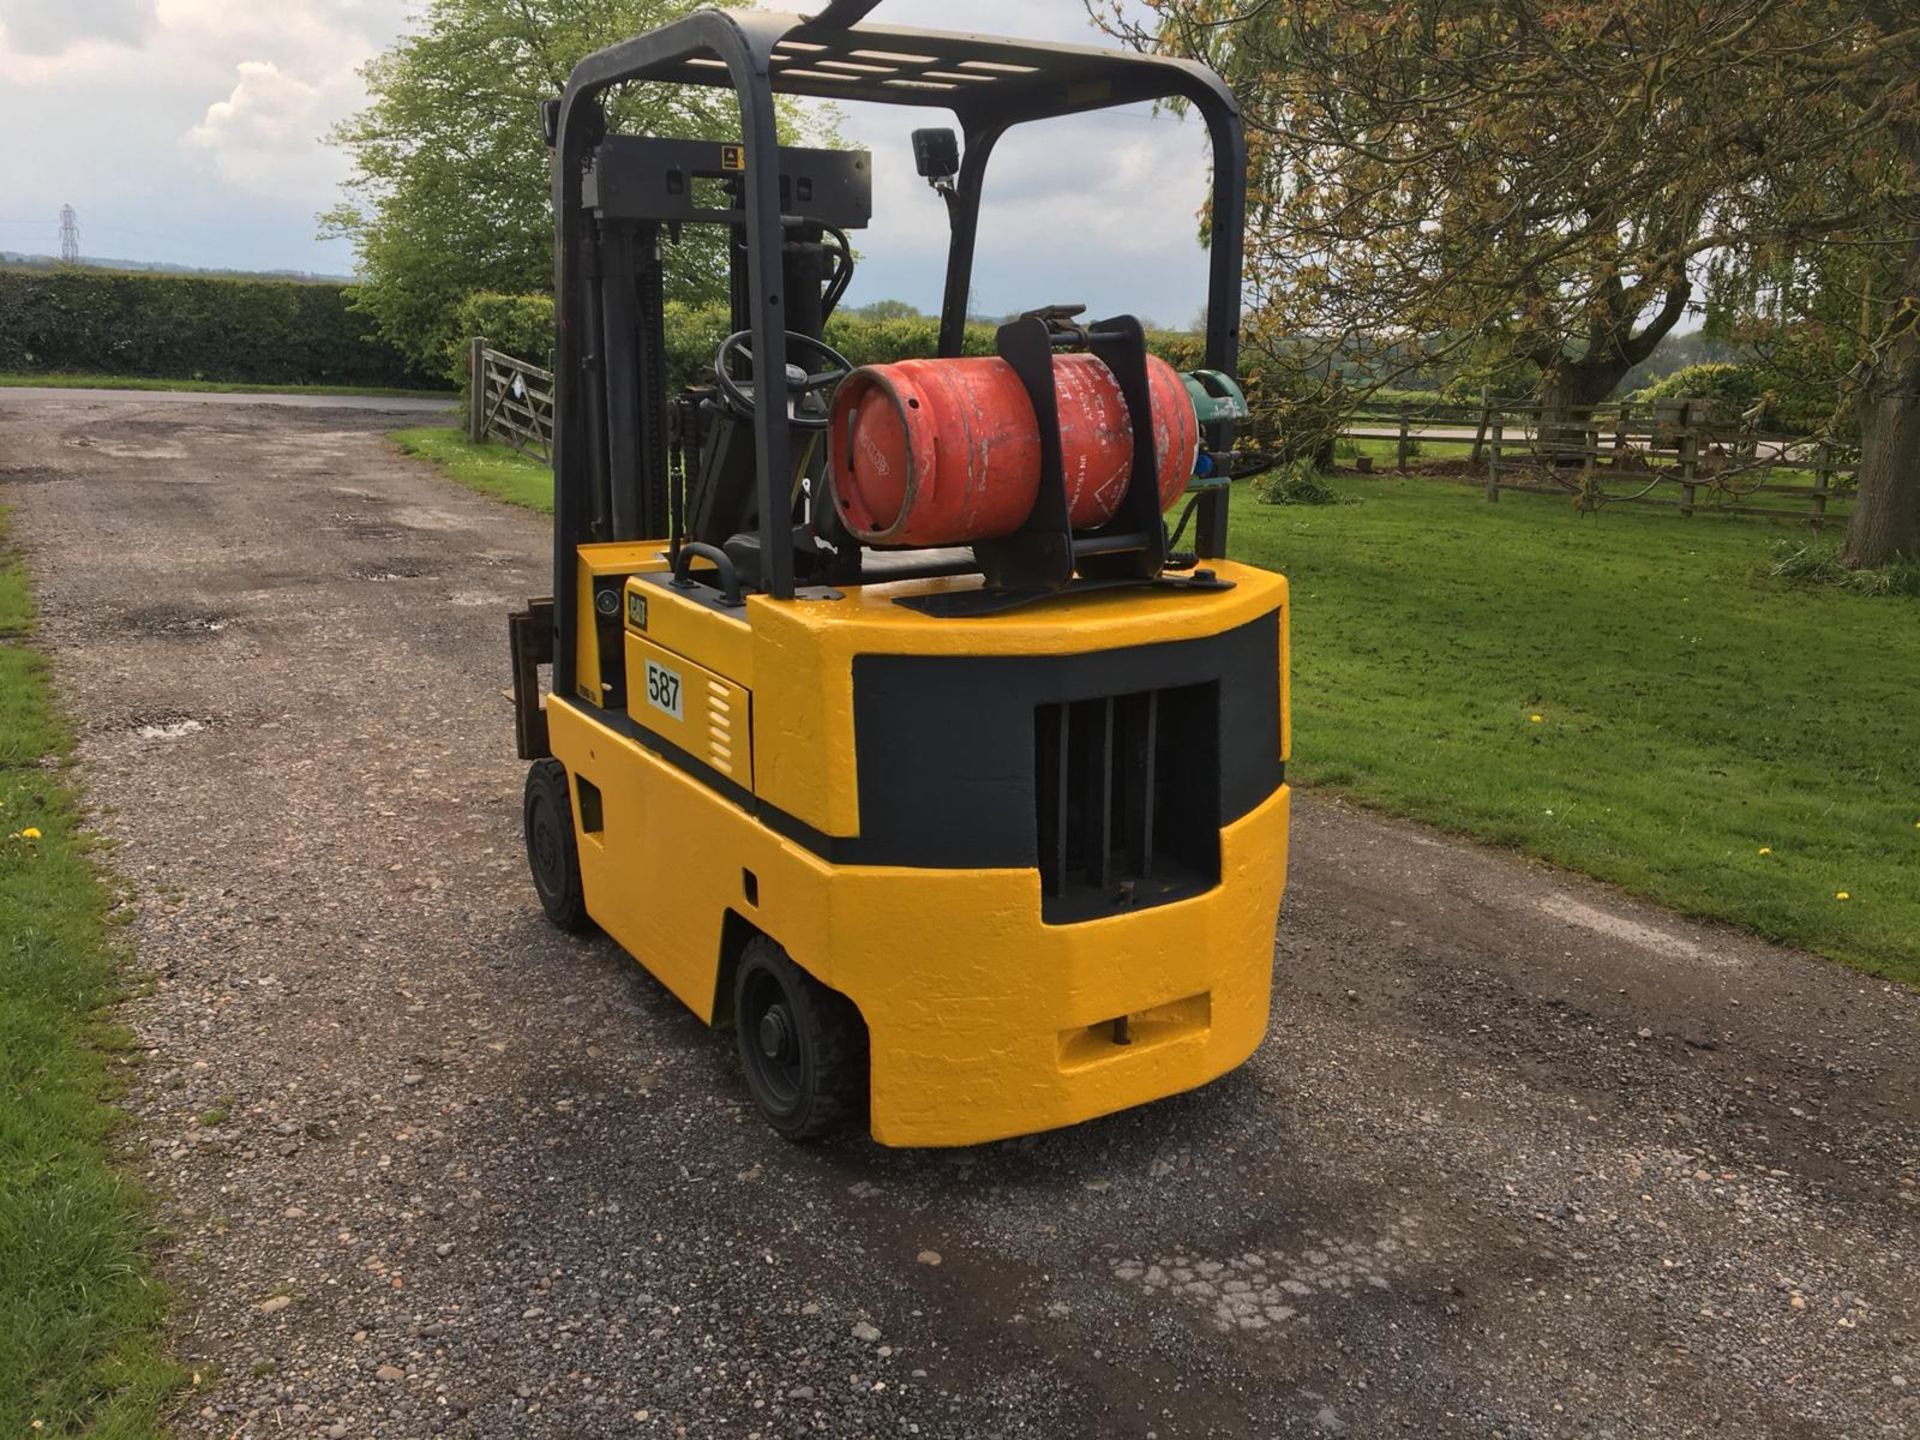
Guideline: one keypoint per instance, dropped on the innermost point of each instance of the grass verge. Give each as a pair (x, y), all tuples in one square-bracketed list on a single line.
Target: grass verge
[(1627, 694), (212, 387), (1709, 735), (80, 1314), (491, 469)]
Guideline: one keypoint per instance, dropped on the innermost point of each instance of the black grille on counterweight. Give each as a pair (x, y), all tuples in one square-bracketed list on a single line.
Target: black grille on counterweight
[(1127, 806), (963, 764)]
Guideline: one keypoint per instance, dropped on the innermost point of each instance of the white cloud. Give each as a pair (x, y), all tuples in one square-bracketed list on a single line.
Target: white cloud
[(34, 27), (297, 66), (190, 130), (185, 130), (1098, 208), (264, 137), (320, 39)]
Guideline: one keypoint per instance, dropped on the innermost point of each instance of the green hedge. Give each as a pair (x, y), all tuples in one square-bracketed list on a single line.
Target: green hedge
[(1789, 403), (176, 327), (522, 325), (516, 325), (1730, 389)]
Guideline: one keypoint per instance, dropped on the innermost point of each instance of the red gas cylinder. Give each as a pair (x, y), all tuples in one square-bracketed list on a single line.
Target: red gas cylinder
[(942, 452)]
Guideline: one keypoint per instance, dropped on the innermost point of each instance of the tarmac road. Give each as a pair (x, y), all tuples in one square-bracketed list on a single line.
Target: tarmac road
[(1519, 1157), (37, 395)]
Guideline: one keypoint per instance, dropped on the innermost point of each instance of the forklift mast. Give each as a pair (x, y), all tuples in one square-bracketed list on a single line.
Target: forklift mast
[(623, 443)]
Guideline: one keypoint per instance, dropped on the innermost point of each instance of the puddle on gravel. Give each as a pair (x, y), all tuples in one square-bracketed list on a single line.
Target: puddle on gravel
[(370, 530), (121, 451), (174, 622), (177, 728), (28, 474), (421, 517), (397, 569), (371, 523), (1265, 1289)]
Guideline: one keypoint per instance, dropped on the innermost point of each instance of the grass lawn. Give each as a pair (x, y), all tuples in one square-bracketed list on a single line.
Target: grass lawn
[(492, 469), (223, 387), (1721, 742), (80, 1316)]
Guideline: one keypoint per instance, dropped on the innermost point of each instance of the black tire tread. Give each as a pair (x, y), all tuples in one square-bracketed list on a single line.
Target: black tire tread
[(837, 1037), (547, 779)]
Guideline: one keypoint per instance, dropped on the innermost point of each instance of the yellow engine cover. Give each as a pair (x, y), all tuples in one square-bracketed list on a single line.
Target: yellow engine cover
[(706, 715), (734, 800)]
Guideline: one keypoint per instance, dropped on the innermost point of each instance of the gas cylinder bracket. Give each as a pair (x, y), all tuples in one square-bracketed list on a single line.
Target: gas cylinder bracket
[(1039, 555)]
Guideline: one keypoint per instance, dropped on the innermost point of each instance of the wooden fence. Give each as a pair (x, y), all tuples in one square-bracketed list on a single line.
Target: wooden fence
[(1674, 453), (511, 401)]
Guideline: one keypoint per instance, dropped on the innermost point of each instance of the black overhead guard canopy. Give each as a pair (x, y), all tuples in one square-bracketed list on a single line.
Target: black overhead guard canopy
[(989, 84)]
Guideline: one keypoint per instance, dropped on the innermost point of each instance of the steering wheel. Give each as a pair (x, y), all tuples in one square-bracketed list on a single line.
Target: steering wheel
[(801, 382)]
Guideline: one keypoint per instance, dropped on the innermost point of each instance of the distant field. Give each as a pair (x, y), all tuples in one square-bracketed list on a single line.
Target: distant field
[(1692, 715)]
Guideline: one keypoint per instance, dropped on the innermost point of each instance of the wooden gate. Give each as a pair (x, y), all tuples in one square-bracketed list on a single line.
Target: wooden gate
[(512, 402)]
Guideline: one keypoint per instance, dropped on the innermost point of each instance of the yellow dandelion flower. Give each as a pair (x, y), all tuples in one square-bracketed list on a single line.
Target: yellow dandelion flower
[(1536, 719), (32, 832), (1841, 895), (1766, 849)]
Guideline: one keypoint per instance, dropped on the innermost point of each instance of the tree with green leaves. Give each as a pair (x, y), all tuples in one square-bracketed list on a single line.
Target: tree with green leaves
[(451, 186), (1825, 277), (1442, 182), (887, 310), (1555, 182)]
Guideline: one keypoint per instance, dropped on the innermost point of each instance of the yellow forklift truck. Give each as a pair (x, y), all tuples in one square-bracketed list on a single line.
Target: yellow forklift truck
[(889, 724)]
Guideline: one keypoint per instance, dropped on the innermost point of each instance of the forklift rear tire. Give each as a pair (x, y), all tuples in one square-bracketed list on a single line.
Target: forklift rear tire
[(552, 852), (803, 1046)]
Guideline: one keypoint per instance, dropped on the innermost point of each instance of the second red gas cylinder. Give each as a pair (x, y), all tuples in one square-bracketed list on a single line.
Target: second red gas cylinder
[(943, 452)]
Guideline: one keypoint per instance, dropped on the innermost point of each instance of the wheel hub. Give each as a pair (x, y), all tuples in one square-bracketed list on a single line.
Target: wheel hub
[(776, 1033)]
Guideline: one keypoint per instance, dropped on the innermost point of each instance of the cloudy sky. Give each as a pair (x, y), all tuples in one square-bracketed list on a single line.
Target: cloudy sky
[(189, 131)]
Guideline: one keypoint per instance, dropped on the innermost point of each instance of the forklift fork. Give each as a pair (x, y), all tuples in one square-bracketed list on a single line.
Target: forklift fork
[(530, 633)]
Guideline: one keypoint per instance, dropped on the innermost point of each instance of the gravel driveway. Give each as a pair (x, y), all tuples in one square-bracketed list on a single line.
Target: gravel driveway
[(1519, 1157)]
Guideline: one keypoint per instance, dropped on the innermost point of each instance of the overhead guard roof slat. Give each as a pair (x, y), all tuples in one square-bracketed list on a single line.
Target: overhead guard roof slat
[(996, 80)]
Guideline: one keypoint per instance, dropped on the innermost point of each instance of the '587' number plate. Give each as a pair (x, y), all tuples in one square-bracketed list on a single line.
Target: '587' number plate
[(663, 690)]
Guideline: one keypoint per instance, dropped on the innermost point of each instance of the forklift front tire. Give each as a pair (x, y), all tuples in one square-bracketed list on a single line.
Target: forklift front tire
[(803, 1046), (552, 853)]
